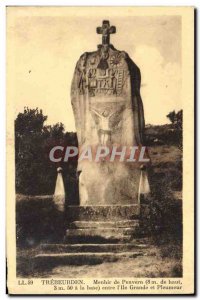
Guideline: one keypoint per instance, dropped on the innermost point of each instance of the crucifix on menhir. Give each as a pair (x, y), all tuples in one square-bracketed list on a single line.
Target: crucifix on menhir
[(106, 30)]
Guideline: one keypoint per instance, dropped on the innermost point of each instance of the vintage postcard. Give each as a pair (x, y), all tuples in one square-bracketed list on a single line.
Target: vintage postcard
[(100, 150)]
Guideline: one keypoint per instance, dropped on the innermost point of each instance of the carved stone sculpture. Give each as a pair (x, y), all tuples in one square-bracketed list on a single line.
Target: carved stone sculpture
[(108, 111)]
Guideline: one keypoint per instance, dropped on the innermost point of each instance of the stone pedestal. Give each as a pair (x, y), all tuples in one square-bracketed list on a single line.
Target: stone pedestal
[(102, 224), (96, 234)]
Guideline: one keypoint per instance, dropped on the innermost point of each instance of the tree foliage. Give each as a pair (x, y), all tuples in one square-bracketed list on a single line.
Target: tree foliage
[(35, 173), (177, 123), (176, 118)]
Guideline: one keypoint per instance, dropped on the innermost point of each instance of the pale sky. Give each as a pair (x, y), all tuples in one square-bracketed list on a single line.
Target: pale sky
[(43, 48)]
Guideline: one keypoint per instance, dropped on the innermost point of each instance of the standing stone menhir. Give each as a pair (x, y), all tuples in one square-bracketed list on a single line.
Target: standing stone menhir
[(108, 111)]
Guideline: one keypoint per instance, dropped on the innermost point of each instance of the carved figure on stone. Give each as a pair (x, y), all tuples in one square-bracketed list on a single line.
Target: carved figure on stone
[(104, 126)]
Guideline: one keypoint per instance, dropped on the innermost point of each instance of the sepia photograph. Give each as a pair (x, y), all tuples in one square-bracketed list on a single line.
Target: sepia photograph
[(100, 150)]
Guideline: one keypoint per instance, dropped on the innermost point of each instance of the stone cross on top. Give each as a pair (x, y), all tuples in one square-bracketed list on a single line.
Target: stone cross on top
[(106, 30)]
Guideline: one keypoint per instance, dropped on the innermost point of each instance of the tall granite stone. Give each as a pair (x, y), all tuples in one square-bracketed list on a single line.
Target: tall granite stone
[(108, 111)]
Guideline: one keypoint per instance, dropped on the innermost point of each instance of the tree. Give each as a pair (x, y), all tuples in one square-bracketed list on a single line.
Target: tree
[(31, 121), (172, 116), (176, 118), (35, 173), (177, 126), (179, 119)]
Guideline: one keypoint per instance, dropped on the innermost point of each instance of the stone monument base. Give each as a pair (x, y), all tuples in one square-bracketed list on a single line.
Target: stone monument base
[(102, 224), (96, 234)]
